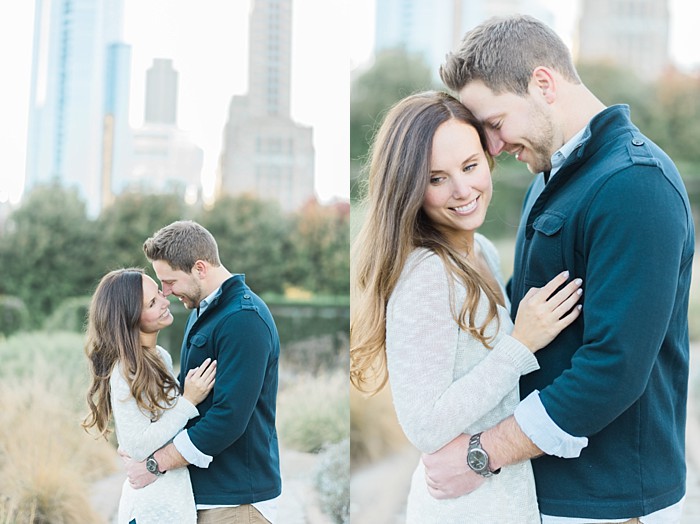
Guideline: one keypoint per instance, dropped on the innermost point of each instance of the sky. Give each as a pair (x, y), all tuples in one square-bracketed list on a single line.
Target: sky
[(208, 43), (684, 43)]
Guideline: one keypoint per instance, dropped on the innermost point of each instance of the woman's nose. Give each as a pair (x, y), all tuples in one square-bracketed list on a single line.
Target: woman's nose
[(461, 188)]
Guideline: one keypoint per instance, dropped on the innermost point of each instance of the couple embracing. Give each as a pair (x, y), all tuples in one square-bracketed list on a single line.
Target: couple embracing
[(202, 448), (559, 397)]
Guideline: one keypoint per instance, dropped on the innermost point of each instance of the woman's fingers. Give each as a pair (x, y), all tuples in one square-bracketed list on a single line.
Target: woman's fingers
[(569, 317), (571, 290), (568, 303), (210, 370), (554, 300), (199, 370), (550, 287)]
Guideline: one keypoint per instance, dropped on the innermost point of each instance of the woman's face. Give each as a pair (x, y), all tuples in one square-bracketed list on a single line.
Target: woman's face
[(459, 191), (155, 312)]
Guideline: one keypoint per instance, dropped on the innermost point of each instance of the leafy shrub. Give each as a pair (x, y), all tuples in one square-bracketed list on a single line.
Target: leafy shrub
[(332, 481), (317, 354), (14, 315), (313, 412), (46, 459), (26, 356), (70, 315), (374, 430)]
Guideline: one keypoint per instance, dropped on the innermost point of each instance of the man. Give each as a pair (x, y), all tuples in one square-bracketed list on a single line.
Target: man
[(231, 448), (609, 206)]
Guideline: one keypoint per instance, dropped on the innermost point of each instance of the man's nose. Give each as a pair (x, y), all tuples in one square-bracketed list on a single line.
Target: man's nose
[(494, 142)]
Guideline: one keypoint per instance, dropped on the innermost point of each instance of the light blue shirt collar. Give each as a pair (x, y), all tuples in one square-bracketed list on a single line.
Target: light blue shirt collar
[(204, 304), (560, 156)]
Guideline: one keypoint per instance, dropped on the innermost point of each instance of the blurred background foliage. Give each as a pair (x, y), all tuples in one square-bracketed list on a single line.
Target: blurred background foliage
[(52, 253)]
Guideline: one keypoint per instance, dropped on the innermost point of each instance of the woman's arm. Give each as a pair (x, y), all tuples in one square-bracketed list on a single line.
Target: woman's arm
[(138, 436), (422, 342)]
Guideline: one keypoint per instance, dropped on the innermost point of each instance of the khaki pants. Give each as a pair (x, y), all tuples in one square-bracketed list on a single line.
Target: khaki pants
[(244, 514)]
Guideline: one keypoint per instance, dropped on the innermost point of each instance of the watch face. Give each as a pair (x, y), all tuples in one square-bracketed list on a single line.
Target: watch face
[(151, 465), (477, 459)]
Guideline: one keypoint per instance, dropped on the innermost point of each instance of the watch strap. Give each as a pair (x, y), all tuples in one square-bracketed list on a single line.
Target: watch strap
[(475, 443), (153, 467)]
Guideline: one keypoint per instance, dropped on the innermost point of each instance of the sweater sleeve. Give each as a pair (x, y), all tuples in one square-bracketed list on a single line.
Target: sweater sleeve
[(422, 343), (138, 436)]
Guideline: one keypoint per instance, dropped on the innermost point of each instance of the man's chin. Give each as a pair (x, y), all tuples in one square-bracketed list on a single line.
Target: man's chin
[(536, 170), (187, 303)]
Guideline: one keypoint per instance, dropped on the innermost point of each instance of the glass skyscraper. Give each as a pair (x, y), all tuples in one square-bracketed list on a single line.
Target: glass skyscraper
[(72, 76)]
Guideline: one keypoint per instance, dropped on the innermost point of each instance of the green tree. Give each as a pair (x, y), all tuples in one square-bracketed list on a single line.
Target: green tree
[(253, 239), (131, 219), (321, 240), (394, 75), (678, 100), (48, 250), (615, 85)]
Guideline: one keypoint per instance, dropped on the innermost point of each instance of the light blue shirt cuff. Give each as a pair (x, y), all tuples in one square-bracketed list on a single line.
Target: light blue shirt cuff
[(536, 423), (189, 452)]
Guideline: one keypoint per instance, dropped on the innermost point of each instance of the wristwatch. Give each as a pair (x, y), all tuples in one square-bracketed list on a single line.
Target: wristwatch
[(478, 459), (152, 466)]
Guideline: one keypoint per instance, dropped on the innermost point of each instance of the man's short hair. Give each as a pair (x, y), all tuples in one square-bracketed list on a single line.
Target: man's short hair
[(502, 52), (181, 244)]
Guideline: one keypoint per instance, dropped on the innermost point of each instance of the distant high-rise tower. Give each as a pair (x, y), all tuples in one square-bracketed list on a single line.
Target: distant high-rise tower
[(164, 157), (432, 28), (629, 34), (70, 81), (116, 133), (161, 93), (265, 153)]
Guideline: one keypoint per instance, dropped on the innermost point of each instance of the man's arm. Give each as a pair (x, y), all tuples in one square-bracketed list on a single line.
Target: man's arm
[(507, 444), (168, 457), (446, 470)]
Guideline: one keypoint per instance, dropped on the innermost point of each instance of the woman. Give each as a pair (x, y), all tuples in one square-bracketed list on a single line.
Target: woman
[(133, 381), (430, 311)]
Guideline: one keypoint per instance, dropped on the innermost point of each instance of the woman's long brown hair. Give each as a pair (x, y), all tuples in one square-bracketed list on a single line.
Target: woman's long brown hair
[(113, 336), (395, 224)]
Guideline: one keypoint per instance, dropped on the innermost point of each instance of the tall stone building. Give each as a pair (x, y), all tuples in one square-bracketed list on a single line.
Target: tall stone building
[(164, 157), (265, 153), (628, 33)]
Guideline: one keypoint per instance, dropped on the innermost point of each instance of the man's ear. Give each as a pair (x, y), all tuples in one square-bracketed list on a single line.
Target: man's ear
[(200, 268), (544, 82)]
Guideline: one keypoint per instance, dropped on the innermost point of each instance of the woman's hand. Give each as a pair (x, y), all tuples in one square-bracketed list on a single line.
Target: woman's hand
[(543, 314), (200, 381)]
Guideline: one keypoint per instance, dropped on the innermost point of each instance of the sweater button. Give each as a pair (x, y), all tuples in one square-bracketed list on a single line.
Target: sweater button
[(246, 296), (637, 142)]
